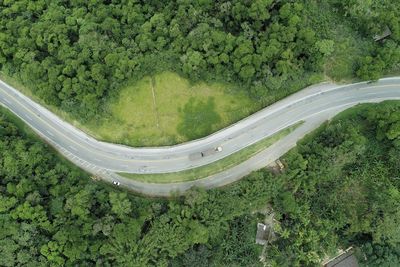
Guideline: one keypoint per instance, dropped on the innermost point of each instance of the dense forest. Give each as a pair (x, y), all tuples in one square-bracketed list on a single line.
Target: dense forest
[(77, 54), (341, 187)]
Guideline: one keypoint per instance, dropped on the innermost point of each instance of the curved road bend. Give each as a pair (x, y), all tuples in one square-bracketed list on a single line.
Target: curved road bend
[(313, 105)]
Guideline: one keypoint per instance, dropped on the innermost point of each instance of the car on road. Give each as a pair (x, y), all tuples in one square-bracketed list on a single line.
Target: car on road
[(205, 153)]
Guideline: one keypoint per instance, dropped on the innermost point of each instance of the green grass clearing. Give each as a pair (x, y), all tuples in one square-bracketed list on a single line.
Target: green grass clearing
[(137, 117), (215, 167), (166, 109)]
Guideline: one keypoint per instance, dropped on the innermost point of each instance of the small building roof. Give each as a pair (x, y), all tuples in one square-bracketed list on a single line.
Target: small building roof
[(345, 259), (387, 32), (265, 234), (261, 234)]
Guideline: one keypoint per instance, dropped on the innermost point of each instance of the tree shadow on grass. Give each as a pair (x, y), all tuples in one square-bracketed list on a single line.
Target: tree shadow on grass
[(198, 118)]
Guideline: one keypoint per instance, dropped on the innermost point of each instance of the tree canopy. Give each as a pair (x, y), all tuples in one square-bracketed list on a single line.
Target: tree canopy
[(341, 187), (77, 54)]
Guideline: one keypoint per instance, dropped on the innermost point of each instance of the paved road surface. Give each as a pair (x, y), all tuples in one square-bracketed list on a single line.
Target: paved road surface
[(312, 105)]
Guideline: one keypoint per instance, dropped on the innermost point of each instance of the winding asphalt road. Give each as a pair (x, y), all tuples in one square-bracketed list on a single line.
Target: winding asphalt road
[(312, 105)]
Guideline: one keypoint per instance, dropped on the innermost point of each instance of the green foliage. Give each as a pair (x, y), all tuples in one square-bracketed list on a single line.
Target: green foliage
[(76, 55), (370, 68), (238, 246), (53, 214), (326, 47), (373, 18), (341, 188), (197, 256), (121, 205), (387, 121), (379, 255)]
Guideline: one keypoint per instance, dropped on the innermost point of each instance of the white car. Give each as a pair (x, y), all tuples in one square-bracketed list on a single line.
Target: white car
[(116, 183)]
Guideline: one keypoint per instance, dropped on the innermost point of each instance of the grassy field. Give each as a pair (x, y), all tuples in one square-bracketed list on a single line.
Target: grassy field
[(213, 168), (166, 109)]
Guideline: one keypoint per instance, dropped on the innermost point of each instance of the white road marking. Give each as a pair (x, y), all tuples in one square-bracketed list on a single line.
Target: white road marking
[(259, 120)]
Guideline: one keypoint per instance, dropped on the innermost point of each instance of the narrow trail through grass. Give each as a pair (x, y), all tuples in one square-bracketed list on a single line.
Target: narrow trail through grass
[(149, 112)]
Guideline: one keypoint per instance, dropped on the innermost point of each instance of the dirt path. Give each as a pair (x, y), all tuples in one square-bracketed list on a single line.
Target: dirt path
[(152, 82)]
